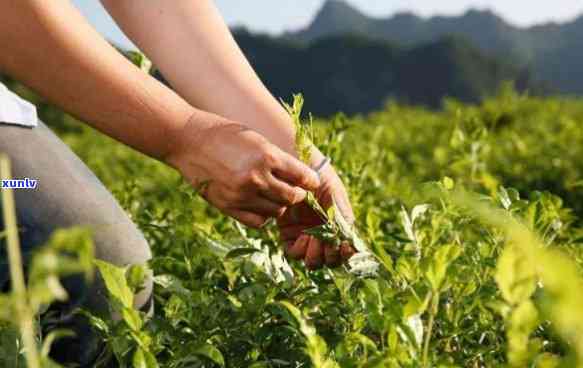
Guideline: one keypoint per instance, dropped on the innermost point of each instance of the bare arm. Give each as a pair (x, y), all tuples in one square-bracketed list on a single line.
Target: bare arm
[(195, 51), (190, 43), (50, 47)]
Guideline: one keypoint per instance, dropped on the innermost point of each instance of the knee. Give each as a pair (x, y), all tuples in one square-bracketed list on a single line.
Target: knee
[(124, 246), (120, 244)]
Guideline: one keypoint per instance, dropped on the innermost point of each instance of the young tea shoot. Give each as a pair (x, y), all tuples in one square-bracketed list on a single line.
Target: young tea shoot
[(335, 229)]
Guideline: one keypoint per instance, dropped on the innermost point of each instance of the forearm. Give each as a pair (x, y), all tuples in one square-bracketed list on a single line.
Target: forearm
[(195, 51), (50, 47)]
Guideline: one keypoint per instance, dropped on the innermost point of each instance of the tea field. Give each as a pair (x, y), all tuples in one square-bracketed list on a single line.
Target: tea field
[(472, 214)]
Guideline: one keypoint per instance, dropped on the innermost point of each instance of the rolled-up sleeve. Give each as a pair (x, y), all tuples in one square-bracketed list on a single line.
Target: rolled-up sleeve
[(15, 110)]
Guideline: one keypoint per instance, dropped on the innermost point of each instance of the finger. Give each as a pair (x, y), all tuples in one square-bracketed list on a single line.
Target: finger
[(281, 192), (300, 214), (247, 218), (332, 255), (264, 207), (297, 249), (296, 173), (291, 232), (334, 192), (220, 196), (314, 254), (343, 203), (223, 197), (346, 250)]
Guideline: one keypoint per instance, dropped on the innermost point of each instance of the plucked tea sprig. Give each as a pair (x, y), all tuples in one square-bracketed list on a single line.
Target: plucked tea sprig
[(332, 230)]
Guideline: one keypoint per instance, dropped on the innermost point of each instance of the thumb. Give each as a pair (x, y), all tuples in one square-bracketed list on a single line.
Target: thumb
[(297, 173)]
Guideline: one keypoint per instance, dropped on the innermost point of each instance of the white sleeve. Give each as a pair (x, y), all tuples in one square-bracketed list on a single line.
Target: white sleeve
[(15, 110)]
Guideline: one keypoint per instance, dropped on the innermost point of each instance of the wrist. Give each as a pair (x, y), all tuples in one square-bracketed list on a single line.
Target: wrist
[(190, 134), (281, 131), (269, 118)]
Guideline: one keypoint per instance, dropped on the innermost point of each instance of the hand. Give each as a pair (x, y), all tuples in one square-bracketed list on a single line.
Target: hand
[(300, 217), (238, 171)]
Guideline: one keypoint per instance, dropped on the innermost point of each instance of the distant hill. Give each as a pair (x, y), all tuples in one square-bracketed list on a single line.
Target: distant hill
[(355, 74), (552, 51)]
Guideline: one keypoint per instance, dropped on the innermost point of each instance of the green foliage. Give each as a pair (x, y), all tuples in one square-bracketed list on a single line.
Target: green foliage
[(304, 135), (67, 252), (469, 272), (125, 336), (335, 229), (139, 59)]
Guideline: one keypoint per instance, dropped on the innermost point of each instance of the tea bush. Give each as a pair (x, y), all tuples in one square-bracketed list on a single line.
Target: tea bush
[(473, 214)]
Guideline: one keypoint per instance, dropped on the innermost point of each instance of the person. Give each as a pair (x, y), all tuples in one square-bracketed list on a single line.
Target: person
[(218, 125)]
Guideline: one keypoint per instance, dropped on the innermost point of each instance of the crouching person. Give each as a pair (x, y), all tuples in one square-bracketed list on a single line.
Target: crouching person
[(221, 128)]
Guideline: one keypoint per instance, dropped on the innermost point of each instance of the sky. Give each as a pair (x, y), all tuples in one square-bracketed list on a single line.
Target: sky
[(276, 16)]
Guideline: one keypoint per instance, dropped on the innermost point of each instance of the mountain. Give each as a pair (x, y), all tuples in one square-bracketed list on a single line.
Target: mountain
[(336, 17), (552, 51), (355, 74)]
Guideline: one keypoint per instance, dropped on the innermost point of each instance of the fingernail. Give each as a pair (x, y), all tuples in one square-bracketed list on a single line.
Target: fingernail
[(300, 194)]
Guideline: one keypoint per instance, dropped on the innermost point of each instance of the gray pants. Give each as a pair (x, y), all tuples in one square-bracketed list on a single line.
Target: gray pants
[(69, 194)]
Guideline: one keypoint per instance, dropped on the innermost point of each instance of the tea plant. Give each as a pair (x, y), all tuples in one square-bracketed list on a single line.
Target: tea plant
[(468, 271)]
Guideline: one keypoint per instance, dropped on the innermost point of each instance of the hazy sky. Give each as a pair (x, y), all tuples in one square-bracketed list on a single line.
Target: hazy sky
[(277, 15)]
